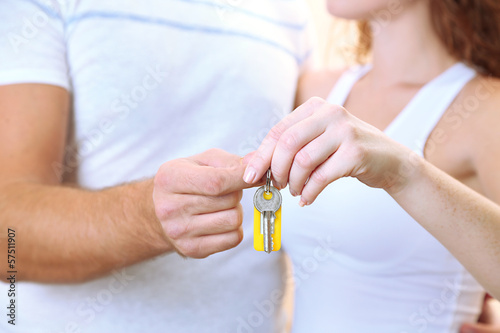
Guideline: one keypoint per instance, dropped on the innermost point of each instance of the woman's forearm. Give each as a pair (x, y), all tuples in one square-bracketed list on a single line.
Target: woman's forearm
[(465, 222)]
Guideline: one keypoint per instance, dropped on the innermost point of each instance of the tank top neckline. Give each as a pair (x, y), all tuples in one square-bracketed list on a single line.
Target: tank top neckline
[(423, 111)]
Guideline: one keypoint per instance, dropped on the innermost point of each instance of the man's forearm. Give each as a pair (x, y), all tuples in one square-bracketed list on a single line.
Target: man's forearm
[(68, 234)]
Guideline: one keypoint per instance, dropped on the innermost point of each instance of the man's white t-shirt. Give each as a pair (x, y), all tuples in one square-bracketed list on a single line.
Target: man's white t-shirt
[(154, 81)]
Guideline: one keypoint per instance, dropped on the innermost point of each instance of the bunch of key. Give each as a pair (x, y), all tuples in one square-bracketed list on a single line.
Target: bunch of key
[(267, 217)]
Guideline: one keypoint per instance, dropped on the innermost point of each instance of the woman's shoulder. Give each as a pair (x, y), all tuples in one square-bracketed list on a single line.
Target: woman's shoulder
[(476, 118), (481, 113), (475, 114), (317, 83), (480, 102)]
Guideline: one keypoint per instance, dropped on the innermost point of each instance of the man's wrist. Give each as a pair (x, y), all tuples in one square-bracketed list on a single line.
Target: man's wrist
[(164, 244), (153, 233)]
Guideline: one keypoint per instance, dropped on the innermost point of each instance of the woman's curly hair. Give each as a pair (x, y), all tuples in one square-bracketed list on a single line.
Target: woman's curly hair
[(469, 29)]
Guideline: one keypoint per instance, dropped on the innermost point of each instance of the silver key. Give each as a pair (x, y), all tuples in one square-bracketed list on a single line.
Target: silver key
[(267, 209)]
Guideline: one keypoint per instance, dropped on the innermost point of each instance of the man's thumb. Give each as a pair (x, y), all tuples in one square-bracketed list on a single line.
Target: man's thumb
[(218, 158)]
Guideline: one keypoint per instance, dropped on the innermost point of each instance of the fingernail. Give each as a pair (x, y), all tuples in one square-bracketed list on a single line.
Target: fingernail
[(249, 176), (277, 185), (293, 193), (303, 203)]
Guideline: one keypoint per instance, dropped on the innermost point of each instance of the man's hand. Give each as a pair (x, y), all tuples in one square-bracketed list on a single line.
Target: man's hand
[(72, 235), (197, 201)]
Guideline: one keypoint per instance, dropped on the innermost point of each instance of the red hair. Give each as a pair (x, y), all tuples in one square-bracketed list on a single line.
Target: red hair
[(469, 30)]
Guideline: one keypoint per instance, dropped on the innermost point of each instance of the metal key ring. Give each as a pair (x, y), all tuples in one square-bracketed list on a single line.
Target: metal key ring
[(268, 181)]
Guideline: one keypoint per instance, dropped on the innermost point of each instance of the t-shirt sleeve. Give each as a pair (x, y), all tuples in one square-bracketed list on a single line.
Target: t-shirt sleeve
[(308, 45), (32, 43)]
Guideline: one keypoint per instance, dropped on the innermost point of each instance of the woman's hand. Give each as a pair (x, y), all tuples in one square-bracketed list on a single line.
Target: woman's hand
[(489, 321), (319, 143)]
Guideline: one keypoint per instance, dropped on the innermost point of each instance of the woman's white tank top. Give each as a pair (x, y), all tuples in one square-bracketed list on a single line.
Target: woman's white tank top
[(361, 263)]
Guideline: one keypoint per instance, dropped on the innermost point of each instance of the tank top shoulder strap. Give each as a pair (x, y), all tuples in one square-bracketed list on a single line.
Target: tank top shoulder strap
[(413, 126), (344, 84), (417, 120)]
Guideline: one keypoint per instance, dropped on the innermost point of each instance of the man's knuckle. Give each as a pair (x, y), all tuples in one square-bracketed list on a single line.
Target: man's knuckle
[(236, 216), (190, 248), (215, 185), (210, 152), (233, 198), (220, 223), (158, 179), (233, 239), (230, 220), (214, 151), (238, 195), (200, 255), (237, 238), (166, 210), (175, 230), (162, 177), (232, 217), (200, 201)]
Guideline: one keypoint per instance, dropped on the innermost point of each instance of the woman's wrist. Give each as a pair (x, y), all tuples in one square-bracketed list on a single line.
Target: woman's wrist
[(410, 172)]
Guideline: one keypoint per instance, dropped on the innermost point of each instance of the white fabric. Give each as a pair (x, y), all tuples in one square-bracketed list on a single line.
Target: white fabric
[(361, 263), (153, 81)]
